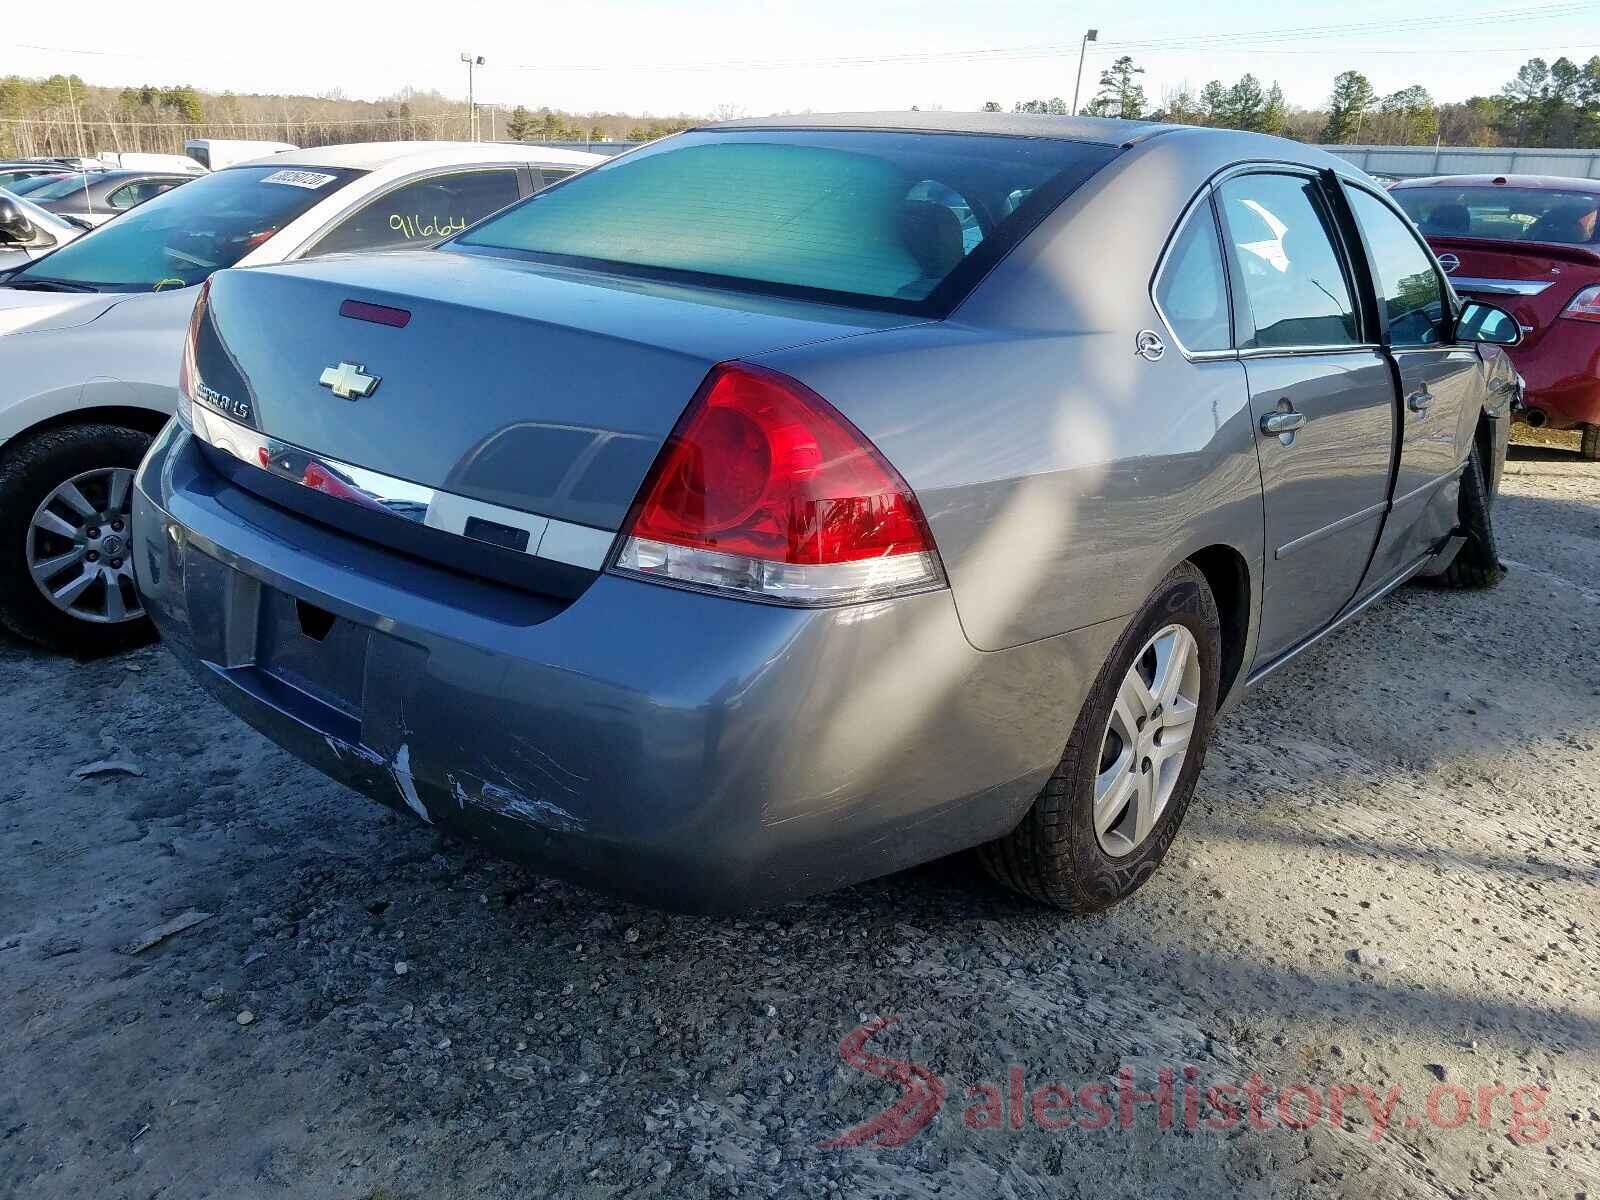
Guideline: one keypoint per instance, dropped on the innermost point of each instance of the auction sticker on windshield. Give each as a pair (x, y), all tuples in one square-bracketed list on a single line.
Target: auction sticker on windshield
[(300, 179)]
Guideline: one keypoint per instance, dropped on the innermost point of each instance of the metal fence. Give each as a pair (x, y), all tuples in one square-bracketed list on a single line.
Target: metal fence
[(1408, 162)]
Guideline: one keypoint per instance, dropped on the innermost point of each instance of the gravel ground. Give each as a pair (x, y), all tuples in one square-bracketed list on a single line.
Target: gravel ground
[(1388, 880)]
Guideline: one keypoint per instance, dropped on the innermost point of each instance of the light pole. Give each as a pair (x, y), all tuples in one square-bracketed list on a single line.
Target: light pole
[(1092, 35), (471, 60)]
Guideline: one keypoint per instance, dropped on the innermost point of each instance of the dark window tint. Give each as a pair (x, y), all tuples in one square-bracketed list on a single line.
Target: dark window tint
[(1408, 285), (1293, 283), (1508, 214), (422, 212), (545, 176), (885, 218), (182, 236), (1193, 290)]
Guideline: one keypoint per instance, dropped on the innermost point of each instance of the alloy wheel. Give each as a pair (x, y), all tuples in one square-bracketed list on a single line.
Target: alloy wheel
[(80, 551), (1146, 740)]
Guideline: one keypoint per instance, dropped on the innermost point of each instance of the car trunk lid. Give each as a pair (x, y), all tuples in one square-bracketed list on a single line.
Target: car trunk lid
[(1534, 281), (535, 389)]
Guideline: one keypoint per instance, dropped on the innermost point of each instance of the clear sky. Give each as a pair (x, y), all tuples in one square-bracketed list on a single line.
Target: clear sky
[(661, 58)]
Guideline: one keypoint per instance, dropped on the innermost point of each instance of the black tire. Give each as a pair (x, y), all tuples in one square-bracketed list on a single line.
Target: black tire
[(1477, 562), (29, 470), (1054, 856), (1589, 449)]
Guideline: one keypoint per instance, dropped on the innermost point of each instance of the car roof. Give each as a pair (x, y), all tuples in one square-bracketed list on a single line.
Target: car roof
[(115, 173), (1538, 182), (1106, 130), (374, 156)]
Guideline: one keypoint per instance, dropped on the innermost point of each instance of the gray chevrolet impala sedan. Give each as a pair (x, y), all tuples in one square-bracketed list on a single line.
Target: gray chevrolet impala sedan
[(791, 501)]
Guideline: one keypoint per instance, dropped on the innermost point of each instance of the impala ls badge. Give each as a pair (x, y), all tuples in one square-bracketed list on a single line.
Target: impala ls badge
[(349, 383)]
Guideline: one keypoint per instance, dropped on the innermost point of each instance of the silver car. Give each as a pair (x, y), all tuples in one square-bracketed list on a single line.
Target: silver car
[(793, 501), (91, 334)]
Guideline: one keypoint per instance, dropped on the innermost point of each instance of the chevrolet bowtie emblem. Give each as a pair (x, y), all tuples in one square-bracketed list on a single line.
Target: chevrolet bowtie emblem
[(348, 382)]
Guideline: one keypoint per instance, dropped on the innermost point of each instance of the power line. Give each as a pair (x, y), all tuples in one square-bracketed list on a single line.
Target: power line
[(275, 123), (1256, 39), (1350, 51), (1564, 8), (1238, 41)]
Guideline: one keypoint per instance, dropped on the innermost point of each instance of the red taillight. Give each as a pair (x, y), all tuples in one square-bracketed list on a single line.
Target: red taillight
[(764, 488), (1585, 305)]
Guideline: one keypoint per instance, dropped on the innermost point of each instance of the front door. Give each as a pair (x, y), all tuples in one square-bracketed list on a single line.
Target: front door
[(1323, 401), (1440, 383)]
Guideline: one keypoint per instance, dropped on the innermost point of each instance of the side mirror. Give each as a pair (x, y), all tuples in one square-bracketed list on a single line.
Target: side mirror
[(15, 228), (1481, 322)]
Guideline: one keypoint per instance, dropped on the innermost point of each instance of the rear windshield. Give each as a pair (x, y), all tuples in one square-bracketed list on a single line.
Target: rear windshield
[(61, 187), (1506, 214), (25, 187), (906, 221), (180, 237)]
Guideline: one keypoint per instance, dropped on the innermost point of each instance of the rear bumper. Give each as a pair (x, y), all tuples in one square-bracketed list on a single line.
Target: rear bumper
[(1563, 373), (685, 750)]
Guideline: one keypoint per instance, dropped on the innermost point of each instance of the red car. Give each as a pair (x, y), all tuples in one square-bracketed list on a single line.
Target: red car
[(1530, 243)]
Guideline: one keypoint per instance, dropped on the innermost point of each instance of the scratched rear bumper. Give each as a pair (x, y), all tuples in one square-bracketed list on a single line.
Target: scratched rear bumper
[(685, 750)]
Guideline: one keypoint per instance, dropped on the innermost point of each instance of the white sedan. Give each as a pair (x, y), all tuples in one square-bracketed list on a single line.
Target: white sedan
[(91, 335)]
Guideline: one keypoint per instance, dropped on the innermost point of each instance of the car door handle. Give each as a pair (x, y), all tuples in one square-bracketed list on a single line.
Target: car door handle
[(1419, 400), (1285, 420)]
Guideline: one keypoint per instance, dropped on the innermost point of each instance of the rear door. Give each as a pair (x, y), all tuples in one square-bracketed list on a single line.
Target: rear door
[(1440, 383), (1322, 397)]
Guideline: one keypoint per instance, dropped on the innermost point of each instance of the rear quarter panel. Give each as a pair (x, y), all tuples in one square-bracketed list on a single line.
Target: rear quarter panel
[(1063, 475)]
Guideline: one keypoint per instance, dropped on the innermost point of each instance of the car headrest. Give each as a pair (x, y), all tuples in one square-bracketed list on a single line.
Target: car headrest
[(1449, 219), (933, 235), (1565, 224)]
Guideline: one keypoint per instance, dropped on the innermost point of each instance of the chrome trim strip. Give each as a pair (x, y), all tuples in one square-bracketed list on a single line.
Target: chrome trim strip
[(449, 512), (577, 545), (1343, 523), (1280, 351), (1500, 287)]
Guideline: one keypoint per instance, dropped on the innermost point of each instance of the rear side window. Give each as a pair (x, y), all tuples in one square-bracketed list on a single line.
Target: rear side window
[(1408, 285), (1504, 214), (422, 212), (1282, 243), (1192, 291), (131, 194), (907, 221)]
